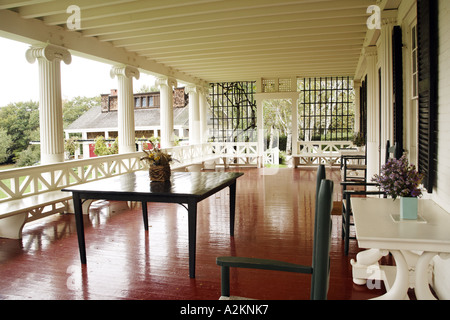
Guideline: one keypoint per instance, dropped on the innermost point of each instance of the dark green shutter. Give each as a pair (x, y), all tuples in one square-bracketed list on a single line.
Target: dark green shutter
[(427, 39), (397, 77)]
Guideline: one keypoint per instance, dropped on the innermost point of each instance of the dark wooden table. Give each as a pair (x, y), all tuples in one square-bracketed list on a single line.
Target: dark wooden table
[(184, 188)]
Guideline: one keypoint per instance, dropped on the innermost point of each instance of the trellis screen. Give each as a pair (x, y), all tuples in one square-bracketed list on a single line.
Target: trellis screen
[(233, 111), (326, 109)]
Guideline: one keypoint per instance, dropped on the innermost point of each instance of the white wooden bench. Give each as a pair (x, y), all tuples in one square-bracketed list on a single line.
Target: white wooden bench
[(319, 152), (237, 153), (15, 213), (196, 164)]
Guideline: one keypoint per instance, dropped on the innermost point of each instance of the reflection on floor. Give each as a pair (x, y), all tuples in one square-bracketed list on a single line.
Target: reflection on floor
[(274, 219)]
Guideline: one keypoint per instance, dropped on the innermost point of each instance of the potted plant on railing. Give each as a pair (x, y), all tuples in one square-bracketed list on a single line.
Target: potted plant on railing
[(159, 163), (399, 179), (358, 140)]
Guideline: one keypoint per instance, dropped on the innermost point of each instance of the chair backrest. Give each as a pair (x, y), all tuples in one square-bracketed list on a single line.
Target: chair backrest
[(321, 174), (391, 152), (322, 242)]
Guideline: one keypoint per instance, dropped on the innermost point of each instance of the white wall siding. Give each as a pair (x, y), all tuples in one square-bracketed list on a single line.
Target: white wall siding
[(441, 194)]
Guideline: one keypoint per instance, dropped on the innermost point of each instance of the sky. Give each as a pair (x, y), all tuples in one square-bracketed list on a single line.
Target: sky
[(19, 79)]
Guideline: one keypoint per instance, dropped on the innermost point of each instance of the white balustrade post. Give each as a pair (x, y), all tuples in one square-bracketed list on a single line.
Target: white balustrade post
[(125, 99), (166, 110), (194, 114), (50, 103)]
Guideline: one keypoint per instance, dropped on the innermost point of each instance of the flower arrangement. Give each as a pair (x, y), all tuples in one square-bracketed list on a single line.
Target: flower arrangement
[(159, 163), (399, 179), (156, 157), (358, 139)]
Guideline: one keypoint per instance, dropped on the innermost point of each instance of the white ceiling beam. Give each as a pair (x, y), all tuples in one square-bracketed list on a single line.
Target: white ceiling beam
[(227, 18), (266, 58), (186, 9), (232, 33), (207, 42), (153, 30), (271, 52), (112, 12), (8, 4), (39, 10), (35, 31)]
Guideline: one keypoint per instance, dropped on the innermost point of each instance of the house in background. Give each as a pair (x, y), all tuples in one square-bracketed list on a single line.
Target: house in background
[(103, 120)]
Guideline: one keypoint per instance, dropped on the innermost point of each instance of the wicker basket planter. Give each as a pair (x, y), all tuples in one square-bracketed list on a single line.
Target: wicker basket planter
[(159, 173)]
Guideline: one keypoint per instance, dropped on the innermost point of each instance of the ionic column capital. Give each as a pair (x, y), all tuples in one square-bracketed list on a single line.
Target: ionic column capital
[(170, 82), (370, 51), (191, 89), (389, 17), (49, 52), (126, 71)]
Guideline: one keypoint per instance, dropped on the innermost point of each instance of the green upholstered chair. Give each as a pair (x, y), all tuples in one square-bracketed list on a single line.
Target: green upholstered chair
[(320, 268)]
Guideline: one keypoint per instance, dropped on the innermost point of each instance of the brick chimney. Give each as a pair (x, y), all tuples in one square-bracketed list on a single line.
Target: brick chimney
[(114, 92)]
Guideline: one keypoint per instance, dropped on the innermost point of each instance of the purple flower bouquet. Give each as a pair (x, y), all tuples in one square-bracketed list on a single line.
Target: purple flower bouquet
[(399, 179)]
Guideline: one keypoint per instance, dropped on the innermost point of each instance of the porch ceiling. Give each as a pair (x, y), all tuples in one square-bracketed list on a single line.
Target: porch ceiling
[(212, 40)]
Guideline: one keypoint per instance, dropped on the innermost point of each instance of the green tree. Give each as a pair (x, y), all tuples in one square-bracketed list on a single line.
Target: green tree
[(102, 147), (146, 88), (21, 122), (28, 157), (74, 108), (5, 146)]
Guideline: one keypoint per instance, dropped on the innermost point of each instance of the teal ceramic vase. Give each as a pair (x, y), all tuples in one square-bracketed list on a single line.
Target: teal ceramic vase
[(408, 208)]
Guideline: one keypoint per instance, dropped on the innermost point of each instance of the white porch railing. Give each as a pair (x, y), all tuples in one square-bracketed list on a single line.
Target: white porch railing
[(320, 152), (22, 182), (272, 156), (238, 153)]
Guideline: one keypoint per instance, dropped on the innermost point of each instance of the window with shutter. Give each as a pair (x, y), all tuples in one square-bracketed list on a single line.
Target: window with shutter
[(363, 108), (397, 68), (427, 40)]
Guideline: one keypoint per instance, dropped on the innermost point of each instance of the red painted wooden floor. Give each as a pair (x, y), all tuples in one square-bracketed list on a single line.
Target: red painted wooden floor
[(274, 220)]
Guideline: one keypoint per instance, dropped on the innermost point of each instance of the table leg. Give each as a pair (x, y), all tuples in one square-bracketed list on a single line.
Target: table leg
[(192, 220), (399, 290), (422, 288), (80, 226), (145, 214), (232, 207)]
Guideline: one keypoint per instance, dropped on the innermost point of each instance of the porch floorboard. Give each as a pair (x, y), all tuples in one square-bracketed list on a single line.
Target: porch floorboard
[(274, 220)]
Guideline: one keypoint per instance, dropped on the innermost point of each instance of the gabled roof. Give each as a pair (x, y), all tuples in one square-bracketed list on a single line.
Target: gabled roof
[(94, 119)]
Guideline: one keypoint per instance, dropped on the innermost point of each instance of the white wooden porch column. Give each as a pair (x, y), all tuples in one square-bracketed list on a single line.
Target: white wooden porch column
[(372, 112), (260, 129), (50, 102), (389, 19), (294, 125), (194, 114), (203, 110), (166, 110), (125, 99)]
